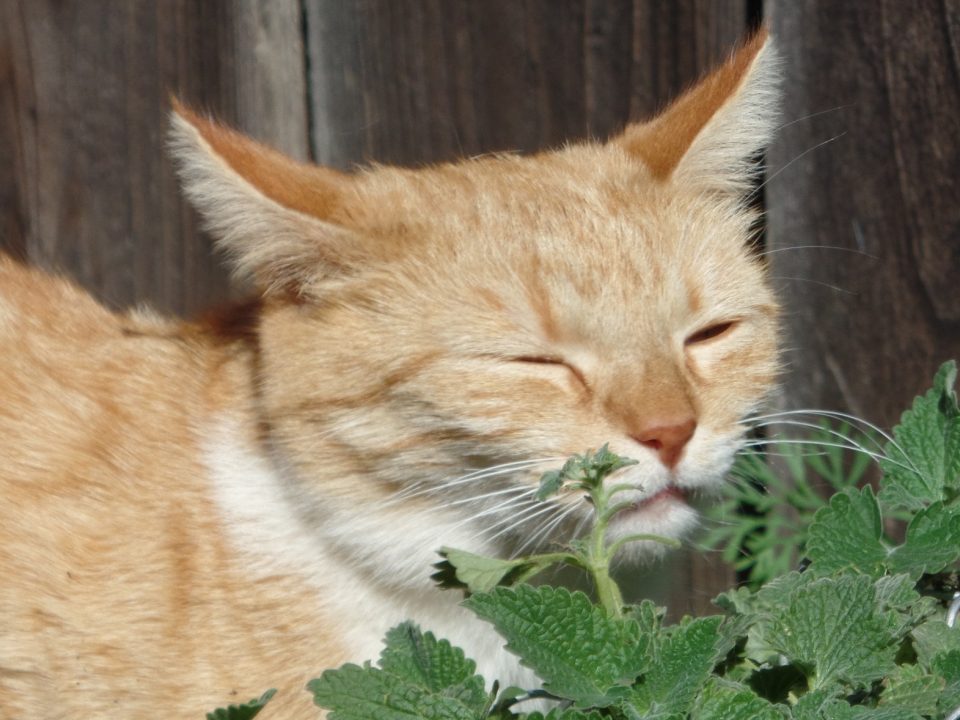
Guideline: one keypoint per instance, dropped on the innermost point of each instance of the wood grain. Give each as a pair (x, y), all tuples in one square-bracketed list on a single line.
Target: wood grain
[(417, 81), (85, 91), (867, 167)]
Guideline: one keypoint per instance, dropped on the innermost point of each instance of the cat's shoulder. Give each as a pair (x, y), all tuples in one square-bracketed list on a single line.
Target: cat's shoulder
[(37, 305)]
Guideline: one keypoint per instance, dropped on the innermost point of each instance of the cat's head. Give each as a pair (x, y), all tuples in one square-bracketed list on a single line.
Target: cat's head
[(428, 333)]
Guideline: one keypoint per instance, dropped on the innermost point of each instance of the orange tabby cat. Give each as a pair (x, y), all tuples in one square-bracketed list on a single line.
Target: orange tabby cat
[(194, 512)]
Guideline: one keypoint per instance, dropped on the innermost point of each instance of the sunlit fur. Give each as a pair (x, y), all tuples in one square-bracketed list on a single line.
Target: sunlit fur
[(195, 512)]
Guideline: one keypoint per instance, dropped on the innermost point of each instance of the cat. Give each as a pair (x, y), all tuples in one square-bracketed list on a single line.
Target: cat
[(197, 511)]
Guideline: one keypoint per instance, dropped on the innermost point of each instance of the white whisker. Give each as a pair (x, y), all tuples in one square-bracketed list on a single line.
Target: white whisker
[(837, 415), (417, 489), (523, 519), (547, 527)]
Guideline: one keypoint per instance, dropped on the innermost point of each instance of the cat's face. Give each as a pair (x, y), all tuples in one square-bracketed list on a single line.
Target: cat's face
[(437, 331)]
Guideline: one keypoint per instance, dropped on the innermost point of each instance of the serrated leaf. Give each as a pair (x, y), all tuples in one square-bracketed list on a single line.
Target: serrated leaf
[(809, 706), (839, 710), (682, 664), (947, 666), (934, 637), (909, 687), (245, 711), (565, 714), (721, 700), (479, 573), (435, 665), (833, 627), (580, 652), (905, 608), (760, 608), (932, 542), (352, 692), (550, 484), (847, 534), (924, 460), (419, 677)]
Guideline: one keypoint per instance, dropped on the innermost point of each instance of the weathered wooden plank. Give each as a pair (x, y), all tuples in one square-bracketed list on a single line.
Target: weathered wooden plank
[(868, 167), (85, 90), (415, 81)]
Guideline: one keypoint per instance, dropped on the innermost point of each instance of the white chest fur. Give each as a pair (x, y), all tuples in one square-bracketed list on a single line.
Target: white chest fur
[(258, 504)]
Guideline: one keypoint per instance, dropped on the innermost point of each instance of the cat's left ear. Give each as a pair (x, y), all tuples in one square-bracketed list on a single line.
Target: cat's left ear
[(709, 136), (283, 223)]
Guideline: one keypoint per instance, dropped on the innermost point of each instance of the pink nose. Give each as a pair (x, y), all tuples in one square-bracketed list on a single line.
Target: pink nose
[(668, 439)]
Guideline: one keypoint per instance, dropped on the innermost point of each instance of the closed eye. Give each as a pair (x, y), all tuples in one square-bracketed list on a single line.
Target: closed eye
[(552, 360), (710, 332)]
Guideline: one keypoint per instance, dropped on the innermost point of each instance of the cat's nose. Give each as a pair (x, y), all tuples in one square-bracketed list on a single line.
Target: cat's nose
[(667, 438)]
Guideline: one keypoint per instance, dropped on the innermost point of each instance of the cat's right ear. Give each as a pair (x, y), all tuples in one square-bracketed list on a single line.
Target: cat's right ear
[(710, 136), (281, 222)]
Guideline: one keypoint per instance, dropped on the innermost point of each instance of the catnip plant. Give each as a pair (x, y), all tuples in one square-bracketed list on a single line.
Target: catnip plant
[(859, 634)]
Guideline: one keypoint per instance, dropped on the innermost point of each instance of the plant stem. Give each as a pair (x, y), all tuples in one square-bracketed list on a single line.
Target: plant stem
[(598, 560)]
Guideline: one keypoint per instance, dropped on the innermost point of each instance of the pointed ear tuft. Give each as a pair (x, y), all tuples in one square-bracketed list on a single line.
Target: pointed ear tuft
[(277, 219), (710, 134)]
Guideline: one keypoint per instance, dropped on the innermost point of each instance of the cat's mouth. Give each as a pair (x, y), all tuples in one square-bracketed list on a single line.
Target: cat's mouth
[(670, 493)]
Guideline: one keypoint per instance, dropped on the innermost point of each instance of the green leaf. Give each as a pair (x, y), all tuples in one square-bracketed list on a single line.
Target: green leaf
[(909, 687), (565, 714), (721, 700), (924, 460), (419, 677), (581, 653), (833, 627), (760, 609), (478, 573), (352, 692), (810, 705), (934, 637), (246, 711), (432, 664), (905, 608), (682, 664), (584, 471), (550, 484), (947, 666), (847, 534), (839, 710), (932, 542)]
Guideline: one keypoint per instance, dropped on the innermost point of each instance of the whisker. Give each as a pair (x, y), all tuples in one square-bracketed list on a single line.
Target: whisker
[(855, 447), (812, 115), (818, 247), (519, 502), (816, 443), (837, 415), (547, 526), (417, 490), (806, 152), (837, 288), (521, 520), (519, 491)]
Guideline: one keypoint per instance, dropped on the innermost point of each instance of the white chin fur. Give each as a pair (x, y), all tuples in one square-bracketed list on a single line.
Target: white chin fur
[(670, 518)]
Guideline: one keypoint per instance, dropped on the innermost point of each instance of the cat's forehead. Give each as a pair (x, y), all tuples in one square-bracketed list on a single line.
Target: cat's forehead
[(588, 202), (576, 245)]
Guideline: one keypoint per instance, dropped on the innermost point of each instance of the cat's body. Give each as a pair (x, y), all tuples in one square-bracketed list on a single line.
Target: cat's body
[(196, 512)]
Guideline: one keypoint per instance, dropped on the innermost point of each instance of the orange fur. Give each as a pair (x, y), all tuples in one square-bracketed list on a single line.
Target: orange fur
[(199, 511)]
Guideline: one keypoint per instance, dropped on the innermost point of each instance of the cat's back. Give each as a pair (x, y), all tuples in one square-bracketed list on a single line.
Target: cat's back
[(90, 399), (74, 376), (110, 534)]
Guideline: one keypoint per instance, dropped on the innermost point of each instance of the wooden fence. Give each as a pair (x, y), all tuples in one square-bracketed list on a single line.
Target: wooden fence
[(867, 160)]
